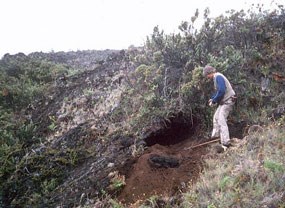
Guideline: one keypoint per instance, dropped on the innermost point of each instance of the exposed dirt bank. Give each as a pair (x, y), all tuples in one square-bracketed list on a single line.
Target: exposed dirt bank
[(163, 171)]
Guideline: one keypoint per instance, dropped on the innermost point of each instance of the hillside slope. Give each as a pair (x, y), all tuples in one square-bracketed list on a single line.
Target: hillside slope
[(94, 128)]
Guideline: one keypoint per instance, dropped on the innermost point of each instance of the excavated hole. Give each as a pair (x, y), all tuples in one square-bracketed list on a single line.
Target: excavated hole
[(165, 165), (177, 130)]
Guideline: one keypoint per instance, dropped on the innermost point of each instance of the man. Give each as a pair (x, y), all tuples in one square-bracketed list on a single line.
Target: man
[(225, 98)]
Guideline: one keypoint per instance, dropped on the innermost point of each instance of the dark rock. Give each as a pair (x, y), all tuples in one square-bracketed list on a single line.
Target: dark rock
[(159, 161)]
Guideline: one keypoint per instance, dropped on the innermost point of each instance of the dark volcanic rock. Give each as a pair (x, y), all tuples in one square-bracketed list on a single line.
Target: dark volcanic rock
[(160, 161)]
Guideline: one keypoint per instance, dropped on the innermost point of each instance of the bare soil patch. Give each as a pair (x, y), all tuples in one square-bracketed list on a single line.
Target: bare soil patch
[(162, 171)]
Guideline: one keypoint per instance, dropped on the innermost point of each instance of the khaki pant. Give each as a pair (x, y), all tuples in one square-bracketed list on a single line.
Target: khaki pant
[(220, 126)]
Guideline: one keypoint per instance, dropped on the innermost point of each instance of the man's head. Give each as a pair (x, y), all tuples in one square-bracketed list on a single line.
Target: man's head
[(208, 71)]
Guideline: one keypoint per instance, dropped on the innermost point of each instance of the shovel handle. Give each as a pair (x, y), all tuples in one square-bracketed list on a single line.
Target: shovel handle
[(202, 144)]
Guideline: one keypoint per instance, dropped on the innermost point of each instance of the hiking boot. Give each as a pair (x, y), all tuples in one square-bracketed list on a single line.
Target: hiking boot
[(226, 146)]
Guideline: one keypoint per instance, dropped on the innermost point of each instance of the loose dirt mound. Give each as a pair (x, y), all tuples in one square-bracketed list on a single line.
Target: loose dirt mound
[(162, 171)]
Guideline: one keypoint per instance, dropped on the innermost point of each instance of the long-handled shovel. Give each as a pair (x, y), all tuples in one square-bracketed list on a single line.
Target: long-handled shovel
[(202, 144)]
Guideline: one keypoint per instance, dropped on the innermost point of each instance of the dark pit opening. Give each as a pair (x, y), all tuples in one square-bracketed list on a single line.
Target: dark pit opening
[(237, 129), (175, 131)]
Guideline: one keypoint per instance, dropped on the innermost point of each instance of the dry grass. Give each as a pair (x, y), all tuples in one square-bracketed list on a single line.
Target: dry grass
[(251, 174)]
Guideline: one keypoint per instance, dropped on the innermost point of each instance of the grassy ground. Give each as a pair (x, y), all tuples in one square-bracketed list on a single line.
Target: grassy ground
[(250, 174)]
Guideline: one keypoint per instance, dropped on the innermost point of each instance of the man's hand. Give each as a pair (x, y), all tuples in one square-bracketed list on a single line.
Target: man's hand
[(211, 103)]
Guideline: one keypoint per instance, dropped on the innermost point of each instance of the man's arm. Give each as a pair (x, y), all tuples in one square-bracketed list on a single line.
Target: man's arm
[(221, 89)]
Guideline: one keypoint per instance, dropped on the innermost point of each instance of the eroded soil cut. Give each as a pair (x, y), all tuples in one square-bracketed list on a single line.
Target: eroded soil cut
[(162, 170)]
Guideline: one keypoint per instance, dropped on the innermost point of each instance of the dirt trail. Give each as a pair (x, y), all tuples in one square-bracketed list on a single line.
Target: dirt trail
[(163, 171)]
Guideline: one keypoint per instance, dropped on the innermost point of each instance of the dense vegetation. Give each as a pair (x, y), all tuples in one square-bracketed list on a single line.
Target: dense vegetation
[(23, 80), (164, 81), (247, 47)]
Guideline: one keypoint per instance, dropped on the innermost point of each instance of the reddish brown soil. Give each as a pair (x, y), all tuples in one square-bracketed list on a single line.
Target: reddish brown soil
[(144, 180)]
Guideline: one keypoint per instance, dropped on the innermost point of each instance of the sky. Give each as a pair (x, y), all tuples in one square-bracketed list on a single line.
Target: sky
[(69, 25)]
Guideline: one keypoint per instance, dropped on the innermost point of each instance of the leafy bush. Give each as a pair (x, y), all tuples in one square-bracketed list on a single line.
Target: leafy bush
[(24, 78)]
